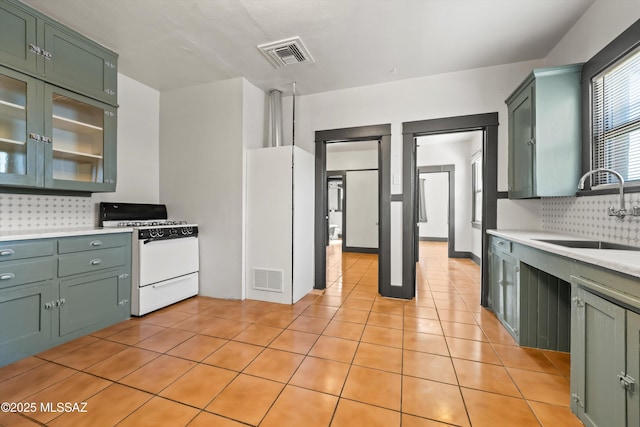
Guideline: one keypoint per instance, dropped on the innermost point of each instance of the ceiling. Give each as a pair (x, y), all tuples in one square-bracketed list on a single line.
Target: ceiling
[(169, 44)]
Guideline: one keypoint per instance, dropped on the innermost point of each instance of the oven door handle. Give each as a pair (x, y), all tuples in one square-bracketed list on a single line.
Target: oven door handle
[(160, 239)]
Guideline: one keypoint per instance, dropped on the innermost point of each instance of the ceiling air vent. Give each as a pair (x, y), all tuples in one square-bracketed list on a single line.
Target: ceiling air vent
[(286, 52)]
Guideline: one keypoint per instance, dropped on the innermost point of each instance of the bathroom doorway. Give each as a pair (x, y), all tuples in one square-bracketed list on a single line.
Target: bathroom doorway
[(335, 208)]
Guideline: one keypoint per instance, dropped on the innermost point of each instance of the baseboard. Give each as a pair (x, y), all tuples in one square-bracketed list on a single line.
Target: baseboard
[(360, 250), (475, 258), (460, 255), (434, 239)]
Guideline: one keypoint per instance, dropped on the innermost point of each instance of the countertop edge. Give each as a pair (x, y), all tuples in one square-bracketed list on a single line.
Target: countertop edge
[(621, 261), (61, 232)]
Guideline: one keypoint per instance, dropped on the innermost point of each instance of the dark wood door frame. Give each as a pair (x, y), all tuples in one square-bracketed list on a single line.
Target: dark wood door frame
[(488, 123), (382, 134)]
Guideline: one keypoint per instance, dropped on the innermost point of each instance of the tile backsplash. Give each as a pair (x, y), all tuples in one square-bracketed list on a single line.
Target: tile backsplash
[(27, 212), (587, 216)]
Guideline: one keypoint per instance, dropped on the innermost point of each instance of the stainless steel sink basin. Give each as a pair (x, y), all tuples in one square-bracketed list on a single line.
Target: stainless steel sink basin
[(590, 244)]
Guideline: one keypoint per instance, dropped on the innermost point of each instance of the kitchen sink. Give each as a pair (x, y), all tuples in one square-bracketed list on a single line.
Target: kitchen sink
[(590, 244)]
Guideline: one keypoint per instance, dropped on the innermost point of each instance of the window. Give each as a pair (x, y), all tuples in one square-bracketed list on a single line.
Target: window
[(476, 194), (615, 120)]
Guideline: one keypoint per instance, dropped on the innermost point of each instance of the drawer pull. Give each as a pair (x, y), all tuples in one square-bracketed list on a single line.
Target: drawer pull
[(7, 276), (7, 252), (96, 261), (96, 243)]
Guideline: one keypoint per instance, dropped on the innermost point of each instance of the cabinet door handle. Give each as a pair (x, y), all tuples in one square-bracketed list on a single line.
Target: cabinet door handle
[(34, 49), (96, 261), (7, 252), (96, 243), (531, 142), (34, 136), (7, 276)]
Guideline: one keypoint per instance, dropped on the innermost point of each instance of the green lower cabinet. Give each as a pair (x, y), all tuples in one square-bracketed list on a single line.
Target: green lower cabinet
[(510, 267), (504, 290), (633, 367), (88, 303), (124, 295), (495, 294), (56, 290), (25, 320), (604, 360)]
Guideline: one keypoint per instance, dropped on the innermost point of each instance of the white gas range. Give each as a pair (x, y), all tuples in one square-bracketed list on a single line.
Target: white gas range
[(165, 256)]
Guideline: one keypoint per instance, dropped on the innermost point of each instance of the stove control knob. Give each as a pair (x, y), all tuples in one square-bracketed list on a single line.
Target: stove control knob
[(189, 230), (173, 231), (160, 232), (184, 231), (153, 233)]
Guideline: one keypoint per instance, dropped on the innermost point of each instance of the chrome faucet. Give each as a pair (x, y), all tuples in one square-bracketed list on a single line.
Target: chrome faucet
[(622, 211)]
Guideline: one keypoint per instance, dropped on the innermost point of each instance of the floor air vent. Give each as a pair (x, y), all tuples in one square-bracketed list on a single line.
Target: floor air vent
[(267, 280), (286, 52)]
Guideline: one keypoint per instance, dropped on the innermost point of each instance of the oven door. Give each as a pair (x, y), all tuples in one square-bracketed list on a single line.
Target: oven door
[(165, 259)]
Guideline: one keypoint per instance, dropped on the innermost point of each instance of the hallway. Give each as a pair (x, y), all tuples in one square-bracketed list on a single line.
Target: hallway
[(346, 358)]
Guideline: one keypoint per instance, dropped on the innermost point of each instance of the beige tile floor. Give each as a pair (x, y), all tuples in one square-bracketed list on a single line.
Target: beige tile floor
[(346, 358)]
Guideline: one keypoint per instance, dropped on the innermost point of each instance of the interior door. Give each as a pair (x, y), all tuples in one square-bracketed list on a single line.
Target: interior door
[(361, 209)]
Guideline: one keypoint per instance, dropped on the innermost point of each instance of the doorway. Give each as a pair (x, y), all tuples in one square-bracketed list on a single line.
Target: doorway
[(335, 208), (488, 125), (355, 165), (436, 206), (381, 136)]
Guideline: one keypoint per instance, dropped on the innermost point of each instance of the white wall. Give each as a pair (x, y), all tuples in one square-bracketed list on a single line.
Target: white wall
[(459, 155), (255, 125), (599, 25), (436, 200), (201, 176), (362, 209), (352, 160)]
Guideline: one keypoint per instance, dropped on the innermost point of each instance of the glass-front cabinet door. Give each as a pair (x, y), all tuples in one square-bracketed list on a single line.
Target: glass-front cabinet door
[(19, 130), (80, 155)]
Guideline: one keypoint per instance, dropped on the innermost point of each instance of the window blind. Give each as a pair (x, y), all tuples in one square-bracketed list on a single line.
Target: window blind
[(616, 120)]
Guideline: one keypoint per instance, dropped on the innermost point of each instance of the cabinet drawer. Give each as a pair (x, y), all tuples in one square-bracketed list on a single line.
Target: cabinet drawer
[(23, 272), (13, 250), (91, 261), (93, 242), (501, 245)]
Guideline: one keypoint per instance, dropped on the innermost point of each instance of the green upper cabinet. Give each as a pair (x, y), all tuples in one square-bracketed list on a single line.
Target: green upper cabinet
[(81, 154), (17, 38), (80, 65), (35, 44), (58, 104), (52, 138), (20, 164), (544, 133)]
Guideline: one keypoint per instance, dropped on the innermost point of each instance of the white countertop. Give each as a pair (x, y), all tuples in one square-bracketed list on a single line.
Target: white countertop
[(6, 236), (627, 262)]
